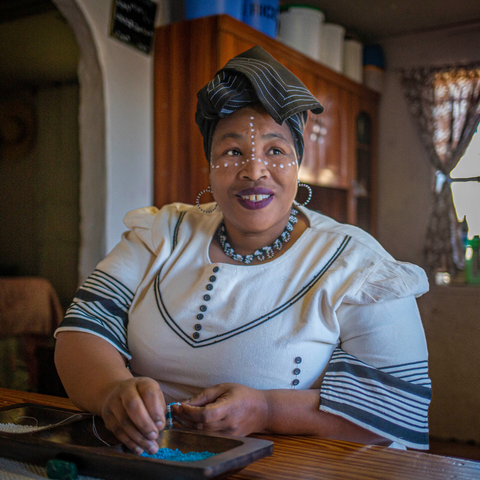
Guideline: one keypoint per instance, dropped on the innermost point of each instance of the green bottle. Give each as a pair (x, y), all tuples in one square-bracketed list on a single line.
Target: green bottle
[(472, 260)]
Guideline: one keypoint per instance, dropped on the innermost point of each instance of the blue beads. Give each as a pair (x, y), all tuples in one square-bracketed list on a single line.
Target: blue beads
[(177, 456)]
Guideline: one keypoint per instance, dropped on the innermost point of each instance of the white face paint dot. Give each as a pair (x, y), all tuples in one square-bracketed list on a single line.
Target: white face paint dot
[(274, 165), (243, 163), (265, 162), (251, 124), (259, 159), (236, 164), (252, 130), (281, 166), (225, 165), (293, 162), (249, 160), (253, 149), (289, 164), (251, 118)]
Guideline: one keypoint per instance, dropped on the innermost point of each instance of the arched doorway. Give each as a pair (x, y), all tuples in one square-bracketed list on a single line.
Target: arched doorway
[(36, 230), (92, 141)]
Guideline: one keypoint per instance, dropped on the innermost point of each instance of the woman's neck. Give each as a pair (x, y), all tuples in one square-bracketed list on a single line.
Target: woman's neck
[(246, 243)]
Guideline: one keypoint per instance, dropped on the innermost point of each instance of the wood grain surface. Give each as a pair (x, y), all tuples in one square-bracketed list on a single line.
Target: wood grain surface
[(308, 458)]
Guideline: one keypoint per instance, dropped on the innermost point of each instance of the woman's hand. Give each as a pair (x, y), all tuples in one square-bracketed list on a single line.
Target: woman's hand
[(134, 411), (228, 408)]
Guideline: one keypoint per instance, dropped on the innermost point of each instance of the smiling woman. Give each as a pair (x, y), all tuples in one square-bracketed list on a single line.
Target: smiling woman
[(254, 181), (254, 312)]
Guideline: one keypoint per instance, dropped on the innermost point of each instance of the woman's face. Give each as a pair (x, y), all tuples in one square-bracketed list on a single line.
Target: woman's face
[(253, 171)]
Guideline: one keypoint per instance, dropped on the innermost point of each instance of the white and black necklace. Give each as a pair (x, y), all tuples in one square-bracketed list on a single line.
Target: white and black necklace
[(262, 253)]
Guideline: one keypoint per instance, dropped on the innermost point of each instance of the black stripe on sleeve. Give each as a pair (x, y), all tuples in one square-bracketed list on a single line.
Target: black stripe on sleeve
[(378, 400)]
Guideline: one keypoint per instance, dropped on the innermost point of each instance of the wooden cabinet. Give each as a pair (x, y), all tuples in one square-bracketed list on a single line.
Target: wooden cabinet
[(188, 54)]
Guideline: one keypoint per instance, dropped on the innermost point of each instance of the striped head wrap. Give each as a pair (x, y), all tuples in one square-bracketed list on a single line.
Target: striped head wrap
[(252, 77)]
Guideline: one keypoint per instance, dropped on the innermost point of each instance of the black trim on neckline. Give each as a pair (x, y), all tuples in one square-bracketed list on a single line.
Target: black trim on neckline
[(175, 232)]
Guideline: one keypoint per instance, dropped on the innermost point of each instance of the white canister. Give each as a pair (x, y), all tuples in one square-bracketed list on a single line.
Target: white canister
[(353, 60), (331, 46), (300, 27)]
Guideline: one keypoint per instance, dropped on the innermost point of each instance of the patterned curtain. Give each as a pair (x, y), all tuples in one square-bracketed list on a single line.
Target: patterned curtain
[(445, 103)]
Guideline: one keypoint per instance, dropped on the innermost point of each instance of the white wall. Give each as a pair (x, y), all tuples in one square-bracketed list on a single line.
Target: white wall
[(127, 75)]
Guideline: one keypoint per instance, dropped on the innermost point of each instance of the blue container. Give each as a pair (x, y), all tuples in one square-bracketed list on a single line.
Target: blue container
[(262, 15), (373, 56), (203, 8)]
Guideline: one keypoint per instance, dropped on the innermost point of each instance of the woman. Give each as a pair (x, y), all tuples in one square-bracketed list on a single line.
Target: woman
[(255, 314)]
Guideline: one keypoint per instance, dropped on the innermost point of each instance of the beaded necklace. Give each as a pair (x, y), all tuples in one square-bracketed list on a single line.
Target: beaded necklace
[(262, 253)]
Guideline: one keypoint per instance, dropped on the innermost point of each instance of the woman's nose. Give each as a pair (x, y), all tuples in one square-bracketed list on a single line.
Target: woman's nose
[(255, 169)]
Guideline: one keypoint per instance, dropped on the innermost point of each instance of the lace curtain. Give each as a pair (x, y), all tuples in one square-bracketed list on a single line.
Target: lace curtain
[(445, 103)]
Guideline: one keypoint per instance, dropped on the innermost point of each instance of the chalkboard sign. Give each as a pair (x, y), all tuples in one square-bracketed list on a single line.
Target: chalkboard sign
[(133, 22)]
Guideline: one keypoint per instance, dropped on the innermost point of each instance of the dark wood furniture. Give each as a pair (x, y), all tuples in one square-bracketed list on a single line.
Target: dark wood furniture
[(340, 143), (311, 458)]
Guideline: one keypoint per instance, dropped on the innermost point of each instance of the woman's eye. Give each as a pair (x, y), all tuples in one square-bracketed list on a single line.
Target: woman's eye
[(275, 151), (232, 152)]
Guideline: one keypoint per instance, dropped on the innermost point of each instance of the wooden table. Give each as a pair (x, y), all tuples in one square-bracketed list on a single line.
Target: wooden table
[(308, 458)]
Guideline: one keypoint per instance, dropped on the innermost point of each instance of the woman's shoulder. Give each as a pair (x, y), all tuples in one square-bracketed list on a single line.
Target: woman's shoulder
[(375, 274), (145, 217), (155, 226), (322, 226)]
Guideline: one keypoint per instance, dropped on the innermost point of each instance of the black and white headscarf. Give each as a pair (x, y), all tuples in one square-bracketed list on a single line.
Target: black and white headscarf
[(255, 76)]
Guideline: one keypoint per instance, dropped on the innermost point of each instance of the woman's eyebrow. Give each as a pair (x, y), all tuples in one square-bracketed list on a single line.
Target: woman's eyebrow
[(269, 136), (234, 135)]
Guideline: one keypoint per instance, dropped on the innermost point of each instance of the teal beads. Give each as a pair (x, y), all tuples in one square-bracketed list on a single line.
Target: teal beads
[(61, 470)]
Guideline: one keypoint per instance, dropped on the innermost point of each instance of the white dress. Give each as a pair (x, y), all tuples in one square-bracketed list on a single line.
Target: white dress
[(335, 312)]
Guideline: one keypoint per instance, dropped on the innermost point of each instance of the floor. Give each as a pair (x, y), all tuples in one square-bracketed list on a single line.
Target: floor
[(470, 451)]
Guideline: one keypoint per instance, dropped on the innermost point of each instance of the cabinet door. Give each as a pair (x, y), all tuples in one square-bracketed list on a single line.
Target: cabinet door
[(326, 155)]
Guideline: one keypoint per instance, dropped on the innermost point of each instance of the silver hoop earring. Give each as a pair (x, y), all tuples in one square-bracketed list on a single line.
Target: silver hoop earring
[(309, 194), (207, 190)]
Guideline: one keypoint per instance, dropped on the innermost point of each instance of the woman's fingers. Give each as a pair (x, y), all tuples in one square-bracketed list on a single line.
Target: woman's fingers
[(209, 406), (218, 426), (229, 408), (153, 400), (211, 413), (209, 395), (130, 436), (134, 412)]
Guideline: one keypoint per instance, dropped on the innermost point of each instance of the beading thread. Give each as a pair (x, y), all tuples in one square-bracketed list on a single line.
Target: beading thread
[(309, 194), (207, 190)]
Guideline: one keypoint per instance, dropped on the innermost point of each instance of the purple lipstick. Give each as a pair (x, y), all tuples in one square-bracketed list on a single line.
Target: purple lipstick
[(255, 198)]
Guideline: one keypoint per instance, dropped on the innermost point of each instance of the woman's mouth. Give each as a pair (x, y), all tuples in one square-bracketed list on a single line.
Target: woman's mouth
[(255, 198)]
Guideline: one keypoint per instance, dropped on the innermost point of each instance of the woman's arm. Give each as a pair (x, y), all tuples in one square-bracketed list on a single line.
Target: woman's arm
[(96, 379), (239, 410), (296, 412)]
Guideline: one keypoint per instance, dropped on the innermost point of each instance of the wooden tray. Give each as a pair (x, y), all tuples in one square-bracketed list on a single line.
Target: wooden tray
[(70, 435)]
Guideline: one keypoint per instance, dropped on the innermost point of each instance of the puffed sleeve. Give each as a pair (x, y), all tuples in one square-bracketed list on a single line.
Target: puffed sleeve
[(102, 303), (378, 375)]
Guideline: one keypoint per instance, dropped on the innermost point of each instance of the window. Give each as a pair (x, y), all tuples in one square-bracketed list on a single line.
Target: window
[(466, 194)]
